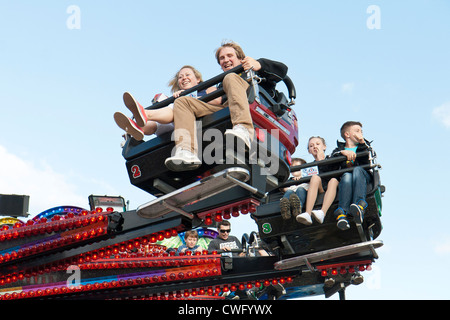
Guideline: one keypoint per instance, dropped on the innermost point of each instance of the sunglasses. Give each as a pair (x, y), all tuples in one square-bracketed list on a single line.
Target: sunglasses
[(223, 231)]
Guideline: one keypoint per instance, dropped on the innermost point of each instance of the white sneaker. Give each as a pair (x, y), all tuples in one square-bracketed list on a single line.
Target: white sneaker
[(304, 218), (240, 132), (183, 160), (319, 215)]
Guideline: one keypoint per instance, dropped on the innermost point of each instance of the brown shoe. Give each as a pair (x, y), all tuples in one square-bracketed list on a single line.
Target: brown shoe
[(296, 206), (285, 208)]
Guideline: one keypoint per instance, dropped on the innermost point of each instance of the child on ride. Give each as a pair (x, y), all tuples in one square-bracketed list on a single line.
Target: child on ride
[(353, 185), (190, 238), (317, 148), (294, 196), (159, 121)]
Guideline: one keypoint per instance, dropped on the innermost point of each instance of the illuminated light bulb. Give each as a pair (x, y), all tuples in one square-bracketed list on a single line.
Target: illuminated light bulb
[(14, 255), (218, 217), (208, 220)]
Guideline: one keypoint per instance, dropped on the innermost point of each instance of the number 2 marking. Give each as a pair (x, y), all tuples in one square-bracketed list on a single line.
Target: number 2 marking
[(136, 171)]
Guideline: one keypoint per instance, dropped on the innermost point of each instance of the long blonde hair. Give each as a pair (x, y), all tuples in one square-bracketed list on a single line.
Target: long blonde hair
[(174, 82)]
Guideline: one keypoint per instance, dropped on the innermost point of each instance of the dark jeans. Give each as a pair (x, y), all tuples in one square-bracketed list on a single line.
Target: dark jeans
[(353, 187)]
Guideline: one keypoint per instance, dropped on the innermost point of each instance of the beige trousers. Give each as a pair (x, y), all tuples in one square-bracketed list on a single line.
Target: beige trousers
[(187, 109)]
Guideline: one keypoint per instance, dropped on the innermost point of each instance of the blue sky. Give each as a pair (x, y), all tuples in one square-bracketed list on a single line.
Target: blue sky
[(60, 87)]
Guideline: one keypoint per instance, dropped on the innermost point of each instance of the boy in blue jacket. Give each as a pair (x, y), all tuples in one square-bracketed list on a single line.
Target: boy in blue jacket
[(353, 185)]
